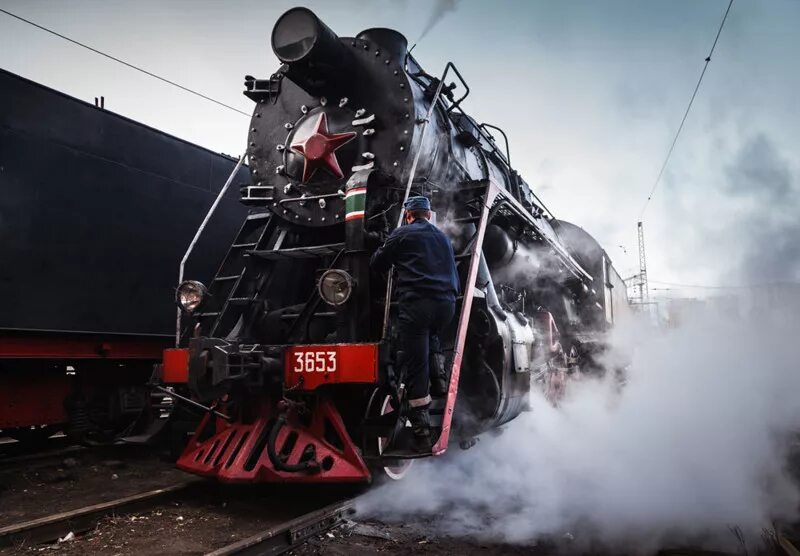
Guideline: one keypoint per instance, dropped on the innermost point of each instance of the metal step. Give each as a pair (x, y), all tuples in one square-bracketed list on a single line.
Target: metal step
[(226, 278), (292, 316), (299, 252), (206, 315)]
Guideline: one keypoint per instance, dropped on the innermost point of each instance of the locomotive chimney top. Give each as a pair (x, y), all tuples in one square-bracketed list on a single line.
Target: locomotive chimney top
[(390, 40), (317, 60)]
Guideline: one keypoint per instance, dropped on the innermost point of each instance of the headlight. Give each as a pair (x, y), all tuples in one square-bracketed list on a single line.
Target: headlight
[(190, 295), (335, 287)]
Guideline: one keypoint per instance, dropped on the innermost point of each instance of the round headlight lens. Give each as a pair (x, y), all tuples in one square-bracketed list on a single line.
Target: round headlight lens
[(190, 295), (335, 287)]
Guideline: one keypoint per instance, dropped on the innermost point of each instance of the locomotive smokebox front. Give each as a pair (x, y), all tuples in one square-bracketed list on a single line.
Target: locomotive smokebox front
[(340, 112)]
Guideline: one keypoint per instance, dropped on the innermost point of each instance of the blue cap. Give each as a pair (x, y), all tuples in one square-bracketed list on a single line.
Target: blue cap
[(417, 203)]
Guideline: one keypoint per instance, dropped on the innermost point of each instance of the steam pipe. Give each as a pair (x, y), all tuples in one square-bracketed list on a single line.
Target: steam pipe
[(279, 464), (485, 277)]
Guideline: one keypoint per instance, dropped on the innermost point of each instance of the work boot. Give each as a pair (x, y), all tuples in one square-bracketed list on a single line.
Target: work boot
[(439, 382), (421, 429), (415, 440)]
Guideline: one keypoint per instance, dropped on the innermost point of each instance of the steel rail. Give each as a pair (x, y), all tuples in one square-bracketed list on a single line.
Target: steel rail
[(50, 528), (25, 458), (286, 536)]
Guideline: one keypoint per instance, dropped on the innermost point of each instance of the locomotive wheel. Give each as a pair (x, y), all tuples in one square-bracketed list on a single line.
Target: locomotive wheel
[(380, 403), (398, 471)]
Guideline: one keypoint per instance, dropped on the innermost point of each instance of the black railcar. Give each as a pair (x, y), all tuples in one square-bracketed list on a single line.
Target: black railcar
[(96, 211)]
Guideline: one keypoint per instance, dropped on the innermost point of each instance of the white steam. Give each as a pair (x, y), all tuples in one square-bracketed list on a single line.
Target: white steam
[(695, 444), (439, 11)]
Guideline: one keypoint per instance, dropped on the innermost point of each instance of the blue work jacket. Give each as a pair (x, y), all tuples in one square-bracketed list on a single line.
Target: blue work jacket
[(423, 258)]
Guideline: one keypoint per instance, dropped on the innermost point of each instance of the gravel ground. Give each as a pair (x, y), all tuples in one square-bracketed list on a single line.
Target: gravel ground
[(43, 488)]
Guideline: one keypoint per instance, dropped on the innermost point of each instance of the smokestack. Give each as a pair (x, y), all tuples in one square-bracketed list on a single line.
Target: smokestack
[(315, 58)]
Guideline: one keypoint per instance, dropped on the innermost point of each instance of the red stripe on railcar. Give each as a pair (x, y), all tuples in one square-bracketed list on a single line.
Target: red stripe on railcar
[(49, 347)]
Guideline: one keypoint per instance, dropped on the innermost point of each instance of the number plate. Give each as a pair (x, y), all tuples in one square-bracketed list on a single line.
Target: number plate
[(313, 360), (308, 367)]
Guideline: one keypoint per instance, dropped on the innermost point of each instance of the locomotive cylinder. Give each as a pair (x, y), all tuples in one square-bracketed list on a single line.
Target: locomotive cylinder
[(315, 57)]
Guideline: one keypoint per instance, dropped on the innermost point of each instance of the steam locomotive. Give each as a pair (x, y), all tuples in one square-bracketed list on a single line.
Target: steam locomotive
[(291, 350)]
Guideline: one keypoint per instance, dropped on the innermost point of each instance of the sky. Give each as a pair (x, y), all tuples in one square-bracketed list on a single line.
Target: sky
[(590, 94)]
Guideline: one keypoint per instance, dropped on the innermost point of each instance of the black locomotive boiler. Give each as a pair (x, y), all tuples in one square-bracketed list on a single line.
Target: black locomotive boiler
[(291, 346)]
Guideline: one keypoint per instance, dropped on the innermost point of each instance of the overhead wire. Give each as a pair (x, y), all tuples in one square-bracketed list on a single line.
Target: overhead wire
[(123, 62), (686, 113)]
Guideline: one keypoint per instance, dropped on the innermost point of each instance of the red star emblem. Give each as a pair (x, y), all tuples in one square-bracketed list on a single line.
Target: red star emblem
[(318, 149)]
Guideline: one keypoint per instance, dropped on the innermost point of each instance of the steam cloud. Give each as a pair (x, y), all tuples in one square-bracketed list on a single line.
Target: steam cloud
[(694, 444), (440, 9), (768, 230)]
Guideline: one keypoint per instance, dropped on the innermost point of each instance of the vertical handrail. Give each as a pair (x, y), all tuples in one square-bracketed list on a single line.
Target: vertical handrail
[(491, 194), (411, 176), (197, 235)]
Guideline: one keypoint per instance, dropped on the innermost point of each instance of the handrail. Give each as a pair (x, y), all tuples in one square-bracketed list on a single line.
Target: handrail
[(197, 235), (456, 103), (505, 138), (411, 176)]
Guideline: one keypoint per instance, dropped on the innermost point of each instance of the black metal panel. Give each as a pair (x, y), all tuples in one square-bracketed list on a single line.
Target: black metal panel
[(96, 211)]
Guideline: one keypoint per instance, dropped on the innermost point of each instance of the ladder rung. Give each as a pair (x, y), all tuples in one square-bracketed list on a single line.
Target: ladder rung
[(243, 245), (462, 256), (300, 252), (259, 216), (239, 300), (204, 315), (290, 316), (226, 278)]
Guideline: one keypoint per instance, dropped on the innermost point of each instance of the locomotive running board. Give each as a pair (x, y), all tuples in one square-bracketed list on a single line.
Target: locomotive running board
[(492, 190)]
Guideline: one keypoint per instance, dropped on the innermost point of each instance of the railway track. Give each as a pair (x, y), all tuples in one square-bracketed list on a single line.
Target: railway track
[(11, 463), (286, 527), (50, 528), (287, 535), (13, 450)]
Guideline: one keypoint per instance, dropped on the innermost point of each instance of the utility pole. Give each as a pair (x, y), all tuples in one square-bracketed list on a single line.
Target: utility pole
[(644, 290)]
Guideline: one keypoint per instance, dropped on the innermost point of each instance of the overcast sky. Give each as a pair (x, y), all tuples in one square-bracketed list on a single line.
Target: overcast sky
[(589, 92)]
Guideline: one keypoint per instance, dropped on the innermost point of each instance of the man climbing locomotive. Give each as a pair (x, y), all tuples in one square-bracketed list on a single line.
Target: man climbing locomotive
[(426, 289), (307, 371)]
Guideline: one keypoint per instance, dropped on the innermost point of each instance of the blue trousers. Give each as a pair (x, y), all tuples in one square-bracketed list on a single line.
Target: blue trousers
[(419, 322)]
